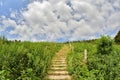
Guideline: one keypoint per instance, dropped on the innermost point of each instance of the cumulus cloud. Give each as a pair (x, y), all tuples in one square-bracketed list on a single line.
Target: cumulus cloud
[(52, 20), (6, 22)]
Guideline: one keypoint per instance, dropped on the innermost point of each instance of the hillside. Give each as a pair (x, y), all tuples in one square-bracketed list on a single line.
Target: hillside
[(33, 60)]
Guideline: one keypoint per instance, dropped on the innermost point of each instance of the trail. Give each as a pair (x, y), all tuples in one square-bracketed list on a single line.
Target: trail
[(58, 69)]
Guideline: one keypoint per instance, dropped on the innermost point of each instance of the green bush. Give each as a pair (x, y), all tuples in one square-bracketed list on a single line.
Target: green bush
[(117, 38), (105, 45)]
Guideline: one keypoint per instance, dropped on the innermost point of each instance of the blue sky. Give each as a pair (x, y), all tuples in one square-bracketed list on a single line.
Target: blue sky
[(63, 20), (6, 8), (11, 5)]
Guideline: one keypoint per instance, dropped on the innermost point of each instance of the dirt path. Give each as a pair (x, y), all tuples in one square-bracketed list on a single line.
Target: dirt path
[(58, 70)]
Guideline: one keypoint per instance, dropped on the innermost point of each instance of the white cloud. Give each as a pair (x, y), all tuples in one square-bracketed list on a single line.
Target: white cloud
[(114, 21), (13, 15), (6, 22), (50, 20)]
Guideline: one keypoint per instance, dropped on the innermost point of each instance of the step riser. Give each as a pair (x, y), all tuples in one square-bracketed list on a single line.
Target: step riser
[(57, 63), (58, 73), (59, 77), (60, 65), (58, 69), (58, 60), (60, 57)]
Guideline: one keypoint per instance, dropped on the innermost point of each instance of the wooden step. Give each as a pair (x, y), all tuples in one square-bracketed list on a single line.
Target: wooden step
[(57, 72), (59, 77), (58, 62), (59, 58), (58, 68), (58, 65)]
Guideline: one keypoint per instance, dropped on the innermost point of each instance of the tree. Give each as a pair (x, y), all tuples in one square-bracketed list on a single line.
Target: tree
[(117, 37), (105, 45), (3, 40)]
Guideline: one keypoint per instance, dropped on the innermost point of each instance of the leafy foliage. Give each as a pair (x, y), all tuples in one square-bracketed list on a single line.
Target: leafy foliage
[(26, 60), (99, 66), (117, 37), (3, 40), (105, 45), (76, 67)]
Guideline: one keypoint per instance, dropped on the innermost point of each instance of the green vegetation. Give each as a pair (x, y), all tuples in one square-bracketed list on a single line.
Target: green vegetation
[(105, 45), (117, 38), (30, 60), (25, 60), (104, 66), (3, 40)]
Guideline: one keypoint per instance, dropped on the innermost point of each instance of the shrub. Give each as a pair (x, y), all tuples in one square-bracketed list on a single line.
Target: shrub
[(117, 38), (105, 45)]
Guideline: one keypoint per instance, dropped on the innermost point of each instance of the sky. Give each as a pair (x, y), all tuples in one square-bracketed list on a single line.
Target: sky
[(59, 20)]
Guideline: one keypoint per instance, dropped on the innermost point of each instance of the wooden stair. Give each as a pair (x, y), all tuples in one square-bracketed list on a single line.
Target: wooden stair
[(58, 68)]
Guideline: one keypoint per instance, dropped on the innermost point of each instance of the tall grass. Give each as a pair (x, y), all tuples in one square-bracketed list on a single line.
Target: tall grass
[(99, 66), (26, 60)]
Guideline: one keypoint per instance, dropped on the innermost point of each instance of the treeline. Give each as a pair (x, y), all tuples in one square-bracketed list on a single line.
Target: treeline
[(116, 39)]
